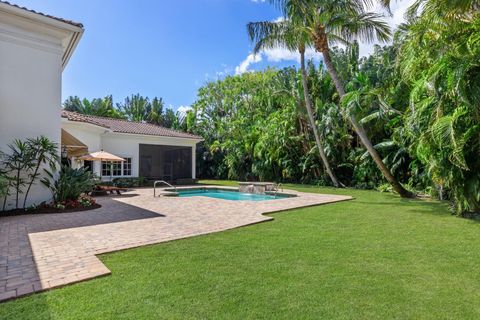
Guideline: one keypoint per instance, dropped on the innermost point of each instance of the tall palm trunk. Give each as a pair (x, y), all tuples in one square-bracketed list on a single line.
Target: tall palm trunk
[(323, 48), (308, 106)]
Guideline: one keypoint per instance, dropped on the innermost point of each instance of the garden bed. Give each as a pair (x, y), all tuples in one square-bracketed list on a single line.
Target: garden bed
[(45, 209)]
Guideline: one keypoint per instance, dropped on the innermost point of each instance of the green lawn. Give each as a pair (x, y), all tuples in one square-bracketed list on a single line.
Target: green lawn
[(375, 257)]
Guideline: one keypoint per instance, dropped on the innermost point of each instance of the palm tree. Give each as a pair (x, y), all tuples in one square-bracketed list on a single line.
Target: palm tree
[(446, 9), (43, 152), (102, 107), (439, 60), (284, 34), (342, 21)]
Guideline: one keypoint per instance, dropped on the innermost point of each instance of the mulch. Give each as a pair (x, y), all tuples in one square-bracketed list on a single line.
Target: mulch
[(42, 210)]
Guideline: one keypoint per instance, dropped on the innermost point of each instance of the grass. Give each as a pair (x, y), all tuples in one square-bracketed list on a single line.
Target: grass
[(375, 257)]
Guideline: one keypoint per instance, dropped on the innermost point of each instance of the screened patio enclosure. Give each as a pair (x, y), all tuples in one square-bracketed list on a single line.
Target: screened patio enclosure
[(163, 162)]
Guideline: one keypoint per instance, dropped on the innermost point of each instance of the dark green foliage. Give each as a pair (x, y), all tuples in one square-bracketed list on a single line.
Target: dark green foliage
[(440, 61), (15, 165), (70, 184), (102, 107), (129, 182), (20, 167), (417, 99), (3, 186), (252, 128), (43, 152), (255, 127), (134, 108)]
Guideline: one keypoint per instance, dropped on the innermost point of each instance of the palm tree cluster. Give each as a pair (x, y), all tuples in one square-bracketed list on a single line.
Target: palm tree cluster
[(408, 114), (133, 108), (321, 24)]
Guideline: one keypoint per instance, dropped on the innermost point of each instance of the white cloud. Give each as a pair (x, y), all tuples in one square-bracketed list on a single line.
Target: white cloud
[(250, 59), (398, 12), (184, 109), (279, 19), (398, 9), (274, 55)]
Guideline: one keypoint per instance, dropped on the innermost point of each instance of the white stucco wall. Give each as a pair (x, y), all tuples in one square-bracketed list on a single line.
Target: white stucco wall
[(30, 93), (122, 145), (31, 57)]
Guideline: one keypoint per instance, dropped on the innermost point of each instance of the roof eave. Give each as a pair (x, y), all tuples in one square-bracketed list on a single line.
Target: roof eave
[(72, 44), (40, 17), (89, 124), (197, 139), (75, 30), (110, 131)]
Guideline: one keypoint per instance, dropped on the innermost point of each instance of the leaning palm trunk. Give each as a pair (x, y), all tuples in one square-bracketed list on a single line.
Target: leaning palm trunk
[(323, 48), (308, 106)]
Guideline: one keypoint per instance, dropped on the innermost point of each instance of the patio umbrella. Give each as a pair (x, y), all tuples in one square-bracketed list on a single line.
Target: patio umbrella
[(103, 156)]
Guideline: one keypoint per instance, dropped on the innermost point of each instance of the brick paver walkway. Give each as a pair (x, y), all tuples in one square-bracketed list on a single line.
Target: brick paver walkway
[(39, 252)]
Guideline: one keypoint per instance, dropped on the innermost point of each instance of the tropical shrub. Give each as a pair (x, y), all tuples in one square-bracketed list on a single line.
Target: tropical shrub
[(129, 182), (86, 201), (133, 108), (440, 60), (20, 167), (16, 165), (102, 107), (3, 186), (42, 152), (70, 184)]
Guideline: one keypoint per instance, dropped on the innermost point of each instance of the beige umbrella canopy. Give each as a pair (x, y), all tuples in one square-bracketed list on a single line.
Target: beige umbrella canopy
[(101, 156)]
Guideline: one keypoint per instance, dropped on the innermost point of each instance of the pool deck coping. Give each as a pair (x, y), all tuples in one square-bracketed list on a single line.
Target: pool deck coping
[(170, 192)]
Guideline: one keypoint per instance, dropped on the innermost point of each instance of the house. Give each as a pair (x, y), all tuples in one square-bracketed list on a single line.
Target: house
[(150, 151), (34, 50)]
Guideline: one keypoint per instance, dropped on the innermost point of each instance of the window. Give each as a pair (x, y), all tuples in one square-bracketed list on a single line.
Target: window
[(115, 168), (127, 167)]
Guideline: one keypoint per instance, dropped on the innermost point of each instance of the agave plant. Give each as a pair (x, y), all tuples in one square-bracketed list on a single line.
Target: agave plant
[(70, 184)]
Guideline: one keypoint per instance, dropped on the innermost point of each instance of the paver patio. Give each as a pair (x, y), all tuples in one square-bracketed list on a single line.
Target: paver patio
[(39, 252)]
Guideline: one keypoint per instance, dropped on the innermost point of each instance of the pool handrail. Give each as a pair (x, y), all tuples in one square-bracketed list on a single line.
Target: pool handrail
[(164, 182), (277, 186)]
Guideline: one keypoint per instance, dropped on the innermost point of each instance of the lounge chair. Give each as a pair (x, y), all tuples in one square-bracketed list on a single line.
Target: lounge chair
[(104, 190)]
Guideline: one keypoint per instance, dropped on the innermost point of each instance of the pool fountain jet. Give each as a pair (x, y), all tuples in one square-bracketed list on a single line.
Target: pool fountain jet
[(256, 187)]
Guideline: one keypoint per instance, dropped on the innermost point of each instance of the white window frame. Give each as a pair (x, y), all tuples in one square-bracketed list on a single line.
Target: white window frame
[(122, 168)]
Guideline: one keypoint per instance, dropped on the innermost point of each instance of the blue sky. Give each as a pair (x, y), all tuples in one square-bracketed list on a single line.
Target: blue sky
[(161, 48)]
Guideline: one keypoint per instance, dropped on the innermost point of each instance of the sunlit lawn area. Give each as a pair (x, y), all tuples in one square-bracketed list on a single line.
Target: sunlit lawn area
[(375, 257)]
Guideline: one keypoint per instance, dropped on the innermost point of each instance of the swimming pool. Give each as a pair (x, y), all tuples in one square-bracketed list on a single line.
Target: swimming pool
[(228, 195)]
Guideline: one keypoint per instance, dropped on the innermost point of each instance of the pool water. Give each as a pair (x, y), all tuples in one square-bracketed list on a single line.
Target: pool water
[(227, 195)]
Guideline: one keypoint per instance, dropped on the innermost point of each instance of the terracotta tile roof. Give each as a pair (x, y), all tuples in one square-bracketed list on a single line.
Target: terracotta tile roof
[(125, 126), (43, 14)]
